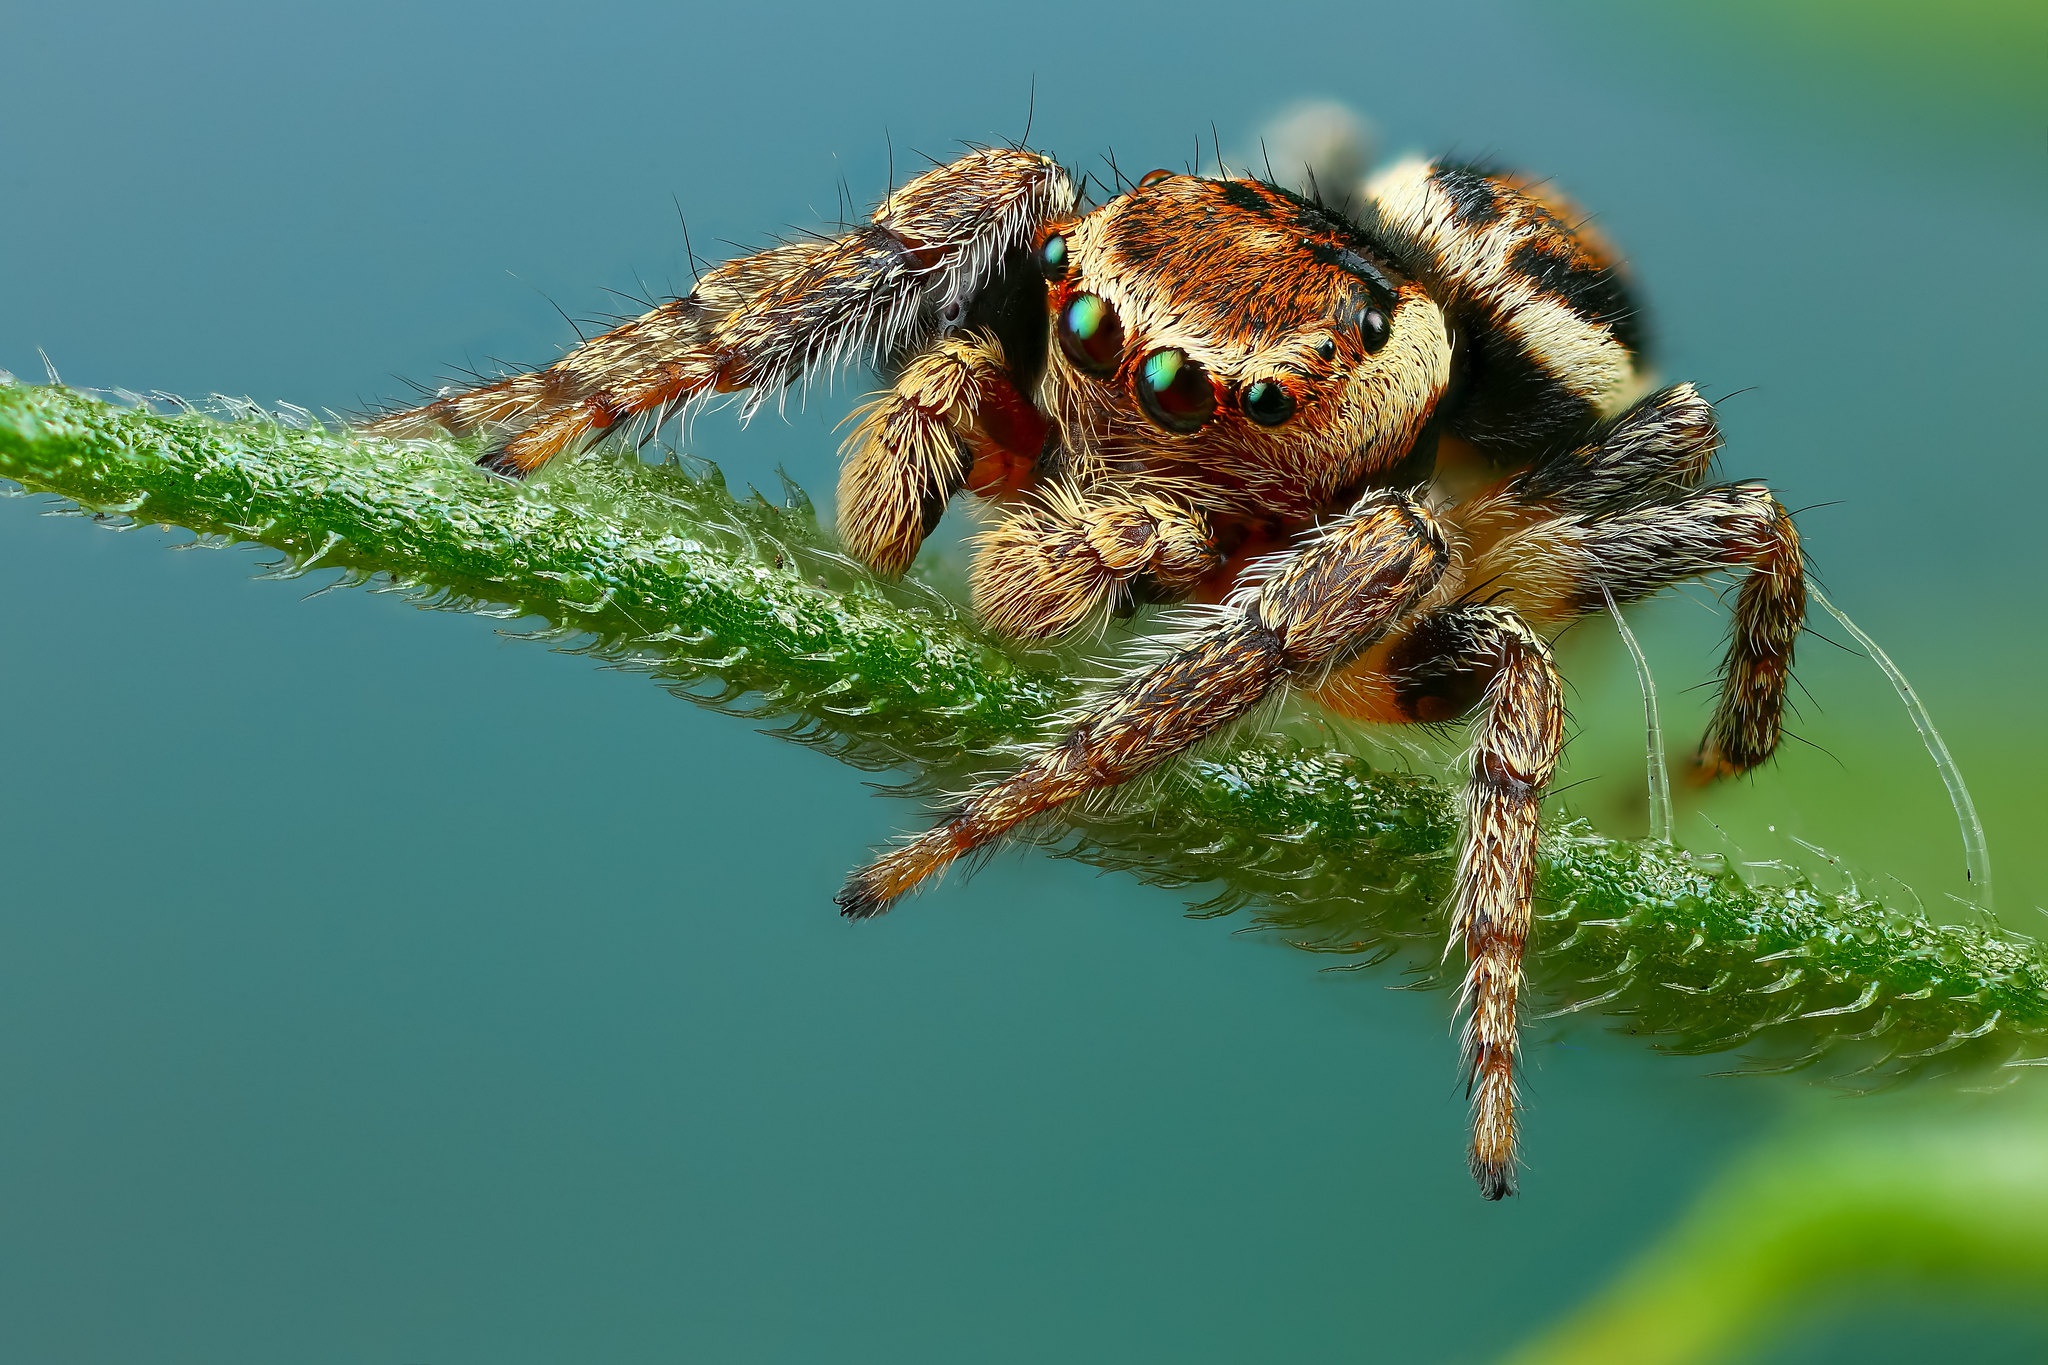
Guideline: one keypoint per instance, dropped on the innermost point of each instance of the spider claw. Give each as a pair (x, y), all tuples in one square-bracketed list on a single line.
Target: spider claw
[(1496, 1178), (498, 460), (860, 899)]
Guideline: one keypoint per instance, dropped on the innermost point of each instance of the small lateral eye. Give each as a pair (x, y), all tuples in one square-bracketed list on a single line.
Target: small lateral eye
[(1091, 334), (1268, 404), (1175, 391), (1372, 327), (1327, 348), (1052, 257), (1151, 178)]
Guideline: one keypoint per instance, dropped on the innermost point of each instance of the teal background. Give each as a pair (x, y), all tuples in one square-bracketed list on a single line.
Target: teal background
[(373, 989)]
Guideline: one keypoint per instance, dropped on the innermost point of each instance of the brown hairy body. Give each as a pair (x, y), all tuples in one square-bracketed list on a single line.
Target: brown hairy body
[(1387, 451)]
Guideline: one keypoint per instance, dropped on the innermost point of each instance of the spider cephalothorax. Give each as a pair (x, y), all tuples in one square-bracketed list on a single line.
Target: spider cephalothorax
[(1387, 448), (1240, 341)]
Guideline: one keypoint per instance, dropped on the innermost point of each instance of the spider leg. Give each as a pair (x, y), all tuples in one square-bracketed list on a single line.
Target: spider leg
[(1515, 743), (1066, 556), (1440, 666), (1770, 610), (1661, 447), (953, 416), (761, 322), (1554, 570), (1318, 604)]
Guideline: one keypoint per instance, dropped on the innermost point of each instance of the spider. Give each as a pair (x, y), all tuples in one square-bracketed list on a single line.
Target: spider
[(1384, 451)]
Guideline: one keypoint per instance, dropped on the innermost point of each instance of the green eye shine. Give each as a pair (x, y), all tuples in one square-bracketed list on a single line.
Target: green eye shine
[(1091, 334), (1175, 390), (1267, 403), (1052, 258)]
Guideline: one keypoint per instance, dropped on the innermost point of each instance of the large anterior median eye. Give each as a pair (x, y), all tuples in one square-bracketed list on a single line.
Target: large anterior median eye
[(1091, 334), (1267, 403), (1175, 391)]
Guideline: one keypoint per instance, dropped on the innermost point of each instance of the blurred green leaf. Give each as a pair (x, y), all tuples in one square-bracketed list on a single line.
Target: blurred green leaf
[(1853, 1206)]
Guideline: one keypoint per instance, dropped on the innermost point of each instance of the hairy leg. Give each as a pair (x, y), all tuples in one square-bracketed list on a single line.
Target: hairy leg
[(1659, 448), (1628, 513), (1065, 558), (1515, 744), (953, 416), (1770, 611), (1437, 667), (760, 322), (1554, 570), (1330, 597)]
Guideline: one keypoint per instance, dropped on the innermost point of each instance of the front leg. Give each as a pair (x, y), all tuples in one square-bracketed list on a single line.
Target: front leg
[(1064, 559), (761, 323), (1326, 601)]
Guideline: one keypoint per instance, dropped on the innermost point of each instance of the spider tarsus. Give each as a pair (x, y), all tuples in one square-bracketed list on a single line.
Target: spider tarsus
[(1496, 1179), (894, 875), (861, 899), (1714, 764)]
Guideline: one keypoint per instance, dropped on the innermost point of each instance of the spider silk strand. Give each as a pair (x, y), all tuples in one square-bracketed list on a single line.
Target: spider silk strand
[(1976, 854), (1661, 821)]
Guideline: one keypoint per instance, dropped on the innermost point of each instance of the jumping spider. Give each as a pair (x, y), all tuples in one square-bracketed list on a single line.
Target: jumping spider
[(1391, 447)]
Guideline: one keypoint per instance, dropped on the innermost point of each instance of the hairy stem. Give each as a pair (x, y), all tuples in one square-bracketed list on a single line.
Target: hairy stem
[(747, 606)]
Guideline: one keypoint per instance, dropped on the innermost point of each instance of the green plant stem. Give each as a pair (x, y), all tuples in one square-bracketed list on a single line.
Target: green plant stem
[(747, 606)]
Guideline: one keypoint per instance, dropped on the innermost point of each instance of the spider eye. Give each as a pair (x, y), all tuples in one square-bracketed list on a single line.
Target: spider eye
[(1372, 326), (1052, 258), (1175, 391), (1091, 334), (1267, 403), (1152, 178), (1327, 348)]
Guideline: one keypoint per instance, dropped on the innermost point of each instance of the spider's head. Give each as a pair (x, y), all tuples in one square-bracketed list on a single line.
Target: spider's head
[(1238, 333)]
